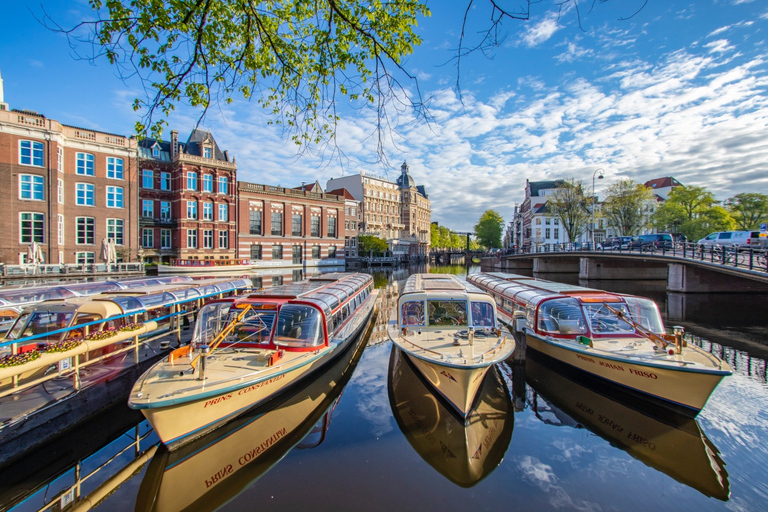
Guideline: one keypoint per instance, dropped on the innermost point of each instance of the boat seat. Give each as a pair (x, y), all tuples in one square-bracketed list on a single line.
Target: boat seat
[(295, 332), (569, 326)]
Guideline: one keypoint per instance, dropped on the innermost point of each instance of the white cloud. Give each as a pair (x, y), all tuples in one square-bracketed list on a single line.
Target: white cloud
[(541, 32)]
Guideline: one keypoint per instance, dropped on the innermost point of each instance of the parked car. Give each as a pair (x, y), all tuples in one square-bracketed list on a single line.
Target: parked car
[(617, 242), (731, 238), (755, 241), (653, 242)]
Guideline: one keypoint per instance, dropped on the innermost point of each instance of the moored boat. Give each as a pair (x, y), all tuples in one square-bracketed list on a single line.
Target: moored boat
[(246, 351), (619, 338), (205, 266), (449, 331), (465, 452)]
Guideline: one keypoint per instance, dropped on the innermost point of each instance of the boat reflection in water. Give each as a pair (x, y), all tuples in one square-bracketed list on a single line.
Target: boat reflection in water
[(464, 453), (208, 472), (666, 441)]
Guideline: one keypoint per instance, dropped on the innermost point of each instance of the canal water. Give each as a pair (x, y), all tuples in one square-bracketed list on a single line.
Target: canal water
[(368, 435)]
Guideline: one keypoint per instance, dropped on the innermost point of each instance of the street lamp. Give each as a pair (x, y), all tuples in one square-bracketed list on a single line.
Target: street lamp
[(599, 173)]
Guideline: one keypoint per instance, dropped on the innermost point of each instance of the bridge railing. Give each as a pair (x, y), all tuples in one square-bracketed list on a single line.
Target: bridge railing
[(735, 256)]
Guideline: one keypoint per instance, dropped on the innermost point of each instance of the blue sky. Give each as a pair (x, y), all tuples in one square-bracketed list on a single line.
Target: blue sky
[(679, 89)]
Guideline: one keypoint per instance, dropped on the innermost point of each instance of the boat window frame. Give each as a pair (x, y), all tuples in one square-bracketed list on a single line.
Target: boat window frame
[(459, 321), (419, 315), (298, 320), (547, 323)]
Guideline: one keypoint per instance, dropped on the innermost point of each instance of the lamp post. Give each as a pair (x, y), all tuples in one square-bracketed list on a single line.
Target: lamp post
[(599, 173)]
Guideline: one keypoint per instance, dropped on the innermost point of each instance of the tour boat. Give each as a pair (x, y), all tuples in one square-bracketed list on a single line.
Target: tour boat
[(94, 326), (463, 452), (205, 266), (666, 441), (448, 329), (619, 338), (247, 350)]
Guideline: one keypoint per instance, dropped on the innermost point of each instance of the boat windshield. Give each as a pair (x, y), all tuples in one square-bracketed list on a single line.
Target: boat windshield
[(482, 314), (447, 312), (39, 322), (298, 326), (211, 319), (412, 313), (646, 313), (562, 316), (602, 321), (256, 325)]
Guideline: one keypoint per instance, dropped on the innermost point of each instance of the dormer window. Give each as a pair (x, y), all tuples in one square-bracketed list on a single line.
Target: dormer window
[(155, 151), (207, 152)]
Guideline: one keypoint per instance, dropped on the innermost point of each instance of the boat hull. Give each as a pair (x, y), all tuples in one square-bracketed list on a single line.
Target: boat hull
[(203, 270), (684, 390)]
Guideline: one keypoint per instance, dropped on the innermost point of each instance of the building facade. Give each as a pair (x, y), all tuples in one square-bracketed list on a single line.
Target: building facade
[(352, 218), (285, 227), (187, 199), (65, 189)]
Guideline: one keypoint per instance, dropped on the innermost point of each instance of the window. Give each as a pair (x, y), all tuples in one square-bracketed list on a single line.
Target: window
[(207, 211), (165, 210), (192, 239), (277, 224), (207, 239), (277, 252), (191, 209), (85, 164), (147, 178), (207, 152), (332, 251), (115, 168), (155, 151), (223, 185), (31, 187), (60, 226), (32, 227), (31, 153), (114, 197), (86, 258), (223, 239), (314, 229), (277, 280), (296, 254), (148, 237), (255, 252), (315, 252), (60, 191), (147, 208), (84, 194), (165, 181), (86, 227), (224, 213), (115, 230), (255, 222), (332, 226), (296, 224), (191, 181), (547, 233), (557, 234), (207, 183), (60, 159), (165, 238)]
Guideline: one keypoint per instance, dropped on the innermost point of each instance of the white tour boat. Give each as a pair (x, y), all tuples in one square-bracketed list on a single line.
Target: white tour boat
[(448, 330), (247, 350), (619, 338)]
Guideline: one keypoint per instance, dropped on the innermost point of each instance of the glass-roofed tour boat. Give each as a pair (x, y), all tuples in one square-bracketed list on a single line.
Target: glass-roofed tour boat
[(246, 350), (448, 330), (618, 338)]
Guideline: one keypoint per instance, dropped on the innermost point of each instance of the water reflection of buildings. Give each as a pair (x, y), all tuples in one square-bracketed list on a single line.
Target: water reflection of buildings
[(668, 442), (389, 284), (464, 452)]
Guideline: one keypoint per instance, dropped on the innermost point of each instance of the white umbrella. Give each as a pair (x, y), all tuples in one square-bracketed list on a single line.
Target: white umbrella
[(34, 253), (104, 250), (112, 251)]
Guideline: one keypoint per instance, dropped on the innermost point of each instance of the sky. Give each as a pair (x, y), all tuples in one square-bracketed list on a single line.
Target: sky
[(638, 90)]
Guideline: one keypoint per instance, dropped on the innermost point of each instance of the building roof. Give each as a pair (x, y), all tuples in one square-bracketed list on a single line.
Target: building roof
[(537, 186), (668, 181), (310, 187), (343, 193), (196, 141)]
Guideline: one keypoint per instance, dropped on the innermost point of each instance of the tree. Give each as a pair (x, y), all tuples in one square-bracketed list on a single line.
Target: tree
[(623, 206), (296, 59), (748, 209), (568, 204), (368, 243), (489, 228), (693, 212)]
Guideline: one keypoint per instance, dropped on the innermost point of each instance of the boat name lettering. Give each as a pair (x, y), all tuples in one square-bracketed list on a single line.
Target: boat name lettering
[(218, 476), (585, 358), (218, 400), (248, 457), (643, 373), (260, 384), (610, 423), (612, 365), (490, 436), (425, 431), (584, 408), (641, 441)]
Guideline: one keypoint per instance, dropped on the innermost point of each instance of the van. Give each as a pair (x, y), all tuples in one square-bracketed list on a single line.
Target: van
[(743, 239)]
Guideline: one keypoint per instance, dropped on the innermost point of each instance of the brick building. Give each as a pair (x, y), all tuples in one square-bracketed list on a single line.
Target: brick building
[(66, 188), (286, 227), (187, 199)]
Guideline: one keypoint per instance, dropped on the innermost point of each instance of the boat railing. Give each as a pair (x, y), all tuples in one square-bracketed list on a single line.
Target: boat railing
[(172, 324), (39, 269)]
